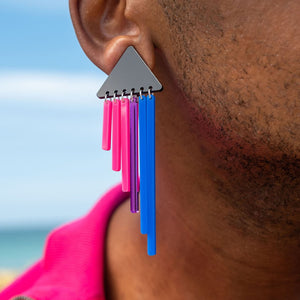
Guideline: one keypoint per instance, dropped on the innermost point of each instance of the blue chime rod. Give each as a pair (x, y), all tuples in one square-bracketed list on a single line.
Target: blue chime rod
[(143, 163), (151, 178)]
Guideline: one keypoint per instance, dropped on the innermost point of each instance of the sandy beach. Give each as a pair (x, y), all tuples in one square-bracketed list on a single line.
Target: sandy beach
[(6, 277)]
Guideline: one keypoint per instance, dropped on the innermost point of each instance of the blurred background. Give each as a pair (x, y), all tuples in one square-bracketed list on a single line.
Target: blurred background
[(52, 167)]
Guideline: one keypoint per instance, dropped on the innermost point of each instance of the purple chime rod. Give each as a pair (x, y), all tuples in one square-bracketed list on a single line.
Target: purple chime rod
[(134, 199)]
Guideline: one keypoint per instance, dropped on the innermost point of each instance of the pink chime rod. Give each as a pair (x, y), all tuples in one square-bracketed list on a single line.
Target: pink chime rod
[(116, 135), (106, 134), (134, 201), (125, 145)]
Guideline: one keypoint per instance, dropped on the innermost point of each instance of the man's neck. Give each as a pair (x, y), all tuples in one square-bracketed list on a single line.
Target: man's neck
[(195, 260), (202, 254)]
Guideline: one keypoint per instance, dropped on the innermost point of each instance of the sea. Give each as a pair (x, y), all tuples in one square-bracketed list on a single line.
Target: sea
[(21, 247)]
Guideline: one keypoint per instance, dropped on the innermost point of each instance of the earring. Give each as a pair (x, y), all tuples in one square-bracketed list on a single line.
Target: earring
[(132, 118)]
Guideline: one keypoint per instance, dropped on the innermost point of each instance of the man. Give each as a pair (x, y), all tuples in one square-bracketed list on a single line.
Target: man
[(228, 152), (227, 146)]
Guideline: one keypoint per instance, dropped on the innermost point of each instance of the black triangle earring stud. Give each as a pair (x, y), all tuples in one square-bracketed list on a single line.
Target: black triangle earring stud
[(132, 77), (130, 73)]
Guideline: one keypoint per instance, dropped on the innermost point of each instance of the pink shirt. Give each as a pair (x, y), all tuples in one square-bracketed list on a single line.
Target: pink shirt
[(72, 266)]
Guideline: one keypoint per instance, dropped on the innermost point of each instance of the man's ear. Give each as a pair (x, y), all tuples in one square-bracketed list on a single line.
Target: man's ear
[(105, 28)]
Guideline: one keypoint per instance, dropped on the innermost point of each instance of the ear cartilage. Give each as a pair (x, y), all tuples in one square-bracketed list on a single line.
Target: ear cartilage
[(116, 136), (106, 135), (133, 132)]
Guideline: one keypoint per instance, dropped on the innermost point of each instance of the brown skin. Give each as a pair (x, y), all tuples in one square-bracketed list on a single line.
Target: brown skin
[(228, 146)]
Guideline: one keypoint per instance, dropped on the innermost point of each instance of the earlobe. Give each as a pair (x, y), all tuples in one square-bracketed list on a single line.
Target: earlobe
[(105, 28)]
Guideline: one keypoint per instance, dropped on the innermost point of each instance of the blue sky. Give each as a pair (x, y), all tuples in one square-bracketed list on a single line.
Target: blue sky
[(52, 166)]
